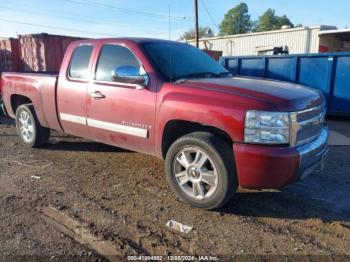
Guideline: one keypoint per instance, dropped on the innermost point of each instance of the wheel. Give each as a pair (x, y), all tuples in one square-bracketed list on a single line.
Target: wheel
[(200, 169), (28, 127)]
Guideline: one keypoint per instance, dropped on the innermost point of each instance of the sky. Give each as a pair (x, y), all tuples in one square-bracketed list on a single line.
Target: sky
[(146, 18)]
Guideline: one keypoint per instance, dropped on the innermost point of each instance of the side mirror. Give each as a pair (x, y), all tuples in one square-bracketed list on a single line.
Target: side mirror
[(130, 75)]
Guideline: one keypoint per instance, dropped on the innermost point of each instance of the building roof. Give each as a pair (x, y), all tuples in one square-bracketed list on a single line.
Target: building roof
[(320, 27), (336, 31), (138, 40), (341, 33)]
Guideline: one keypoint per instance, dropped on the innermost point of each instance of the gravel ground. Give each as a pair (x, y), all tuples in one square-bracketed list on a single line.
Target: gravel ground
[(123, 197)]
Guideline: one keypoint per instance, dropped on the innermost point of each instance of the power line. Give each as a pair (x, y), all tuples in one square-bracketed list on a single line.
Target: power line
[(209, 14), (149, 14), (88, 19), (57, 14), (54, 27), (62, 15)]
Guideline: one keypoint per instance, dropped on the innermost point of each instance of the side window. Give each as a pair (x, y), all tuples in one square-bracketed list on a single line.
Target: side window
[(112, 57), (79, 64)]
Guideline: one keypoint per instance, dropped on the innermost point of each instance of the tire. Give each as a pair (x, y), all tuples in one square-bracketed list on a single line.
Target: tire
[(31, 132), (213, 181)]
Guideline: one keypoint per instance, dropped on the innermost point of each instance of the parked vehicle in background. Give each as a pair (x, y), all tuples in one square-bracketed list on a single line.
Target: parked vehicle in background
[(173, 101)]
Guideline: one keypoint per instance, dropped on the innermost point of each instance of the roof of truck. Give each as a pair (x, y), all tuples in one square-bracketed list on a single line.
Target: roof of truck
[(138, 40)]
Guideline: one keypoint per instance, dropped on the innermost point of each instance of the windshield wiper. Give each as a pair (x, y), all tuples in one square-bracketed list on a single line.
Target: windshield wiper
[(201, 74), (225, 74)]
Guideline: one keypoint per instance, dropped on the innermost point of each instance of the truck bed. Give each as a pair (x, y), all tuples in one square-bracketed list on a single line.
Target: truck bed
[(40, 88)]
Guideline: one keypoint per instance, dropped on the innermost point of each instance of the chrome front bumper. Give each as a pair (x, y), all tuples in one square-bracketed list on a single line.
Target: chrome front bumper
[(312, 155)]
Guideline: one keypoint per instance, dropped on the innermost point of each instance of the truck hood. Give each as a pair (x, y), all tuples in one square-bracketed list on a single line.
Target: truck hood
[(283, 96)]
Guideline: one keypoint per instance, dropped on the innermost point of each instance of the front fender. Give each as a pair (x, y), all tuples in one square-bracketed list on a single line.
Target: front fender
[(222, 111)]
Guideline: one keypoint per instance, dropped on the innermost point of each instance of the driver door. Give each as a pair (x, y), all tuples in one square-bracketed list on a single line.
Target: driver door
[(119, 113)]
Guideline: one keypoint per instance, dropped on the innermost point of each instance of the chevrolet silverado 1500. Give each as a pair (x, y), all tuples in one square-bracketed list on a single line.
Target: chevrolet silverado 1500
[(215, 131)]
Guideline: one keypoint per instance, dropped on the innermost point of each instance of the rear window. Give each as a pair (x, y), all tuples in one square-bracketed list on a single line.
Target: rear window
[(80, 62)]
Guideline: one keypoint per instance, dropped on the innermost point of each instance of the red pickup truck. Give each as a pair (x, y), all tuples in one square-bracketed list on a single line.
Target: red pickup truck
[(215, 131)]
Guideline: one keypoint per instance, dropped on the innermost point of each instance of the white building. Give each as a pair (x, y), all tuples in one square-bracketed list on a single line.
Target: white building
[(296, 40)]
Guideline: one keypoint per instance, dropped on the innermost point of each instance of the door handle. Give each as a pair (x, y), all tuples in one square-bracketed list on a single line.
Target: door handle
[(97, 95)]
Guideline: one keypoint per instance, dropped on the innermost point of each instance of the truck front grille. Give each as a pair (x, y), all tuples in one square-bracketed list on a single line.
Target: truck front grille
[(307, 125)]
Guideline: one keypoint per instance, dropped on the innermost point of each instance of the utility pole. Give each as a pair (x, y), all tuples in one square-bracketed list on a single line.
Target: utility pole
[(169, 24), (196, 27)]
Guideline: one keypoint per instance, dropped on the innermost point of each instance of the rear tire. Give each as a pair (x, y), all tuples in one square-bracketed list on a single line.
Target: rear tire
[(201, 171), (29, 129)]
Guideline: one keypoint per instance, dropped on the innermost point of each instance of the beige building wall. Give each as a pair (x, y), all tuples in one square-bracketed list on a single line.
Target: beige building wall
[(298, 40)]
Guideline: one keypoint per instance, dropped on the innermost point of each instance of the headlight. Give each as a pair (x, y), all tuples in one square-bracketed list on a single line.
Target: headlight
[(266, 127)]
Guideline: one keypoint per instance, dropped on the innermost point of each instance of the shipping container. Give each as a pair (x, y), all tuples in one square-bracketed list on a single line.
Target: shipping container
[(9, 55), (327, 72), (43, 52)]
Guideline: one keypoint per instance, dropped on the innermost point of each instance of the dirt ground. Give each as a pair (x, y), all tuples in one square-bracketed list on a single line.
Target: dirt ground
[(123, 197)]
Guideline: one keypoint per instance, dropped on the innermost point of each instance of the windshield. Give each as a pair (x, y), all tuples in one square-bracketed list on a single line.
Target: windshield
[(178, 60)]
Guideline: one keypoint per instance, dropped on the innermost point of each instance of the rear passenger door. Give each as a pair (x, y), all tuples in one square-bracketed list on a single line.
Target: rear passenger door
[(120, 114), (71, 93)]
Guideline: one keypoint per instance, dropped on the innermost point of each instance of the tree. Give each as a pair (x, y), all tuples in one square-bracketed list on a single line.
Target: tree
[(284, 20), (270, 21), (236, 21), (191, 34)]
